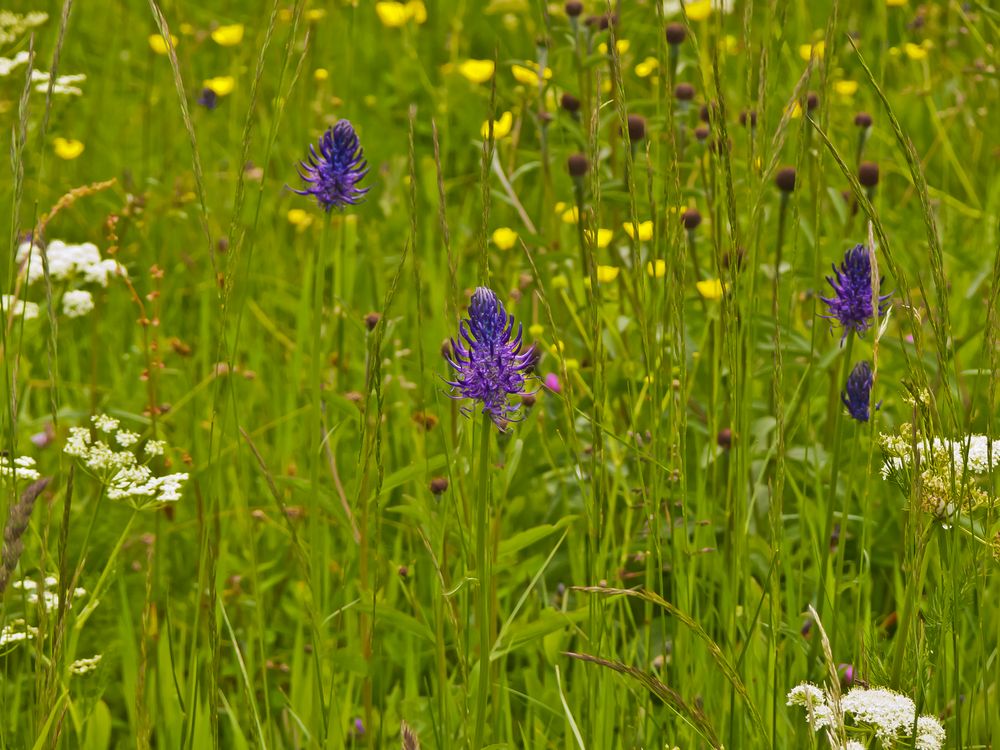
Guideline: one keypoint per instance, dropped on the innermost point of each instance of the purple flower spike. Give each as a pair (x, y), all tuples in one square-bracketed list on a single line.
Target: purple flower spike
[(857, 393), (851, 303), (489, 364), (332, 176)]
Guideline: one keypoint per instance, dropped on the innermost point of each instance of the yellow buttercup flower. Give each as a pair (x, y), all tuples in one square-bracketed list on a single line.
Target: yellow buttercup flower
[(914, 51), (504, 238), (321, 74), (571, 215), (559, 207), (606, 274), (730, 44), (603, 238), (806, 51), (392, 14), (228, 36), (300, 219), (529, 74), (796, 110), (699, 10), (657, 271), (501, 127), (476, 71), (315, 14), (67, 148), (846, 88), (895, 3), (159, 46), (417, 11), (712, 289), (536, 330), (221, 85), (647, 67), (622, 45), (645, 230)]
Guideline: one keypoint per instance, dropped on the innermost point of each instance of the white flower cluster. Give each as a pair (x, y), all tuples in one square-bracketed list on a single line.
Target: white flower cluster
[(126, 477), (69, 262), (82, 666), (16, 632), (64, 85), (888, 714), (978, 452), (47, 594), (13, 25), (22, 467), (18, 307)]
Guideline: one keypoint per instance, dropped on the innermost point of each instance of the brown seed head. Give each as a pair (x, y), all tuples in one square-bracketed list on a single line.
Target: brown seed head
[(676, 33), (574, 8), (684, 92), (785, 179), (691, 219), (439, 485), (570, 103), (868, 174), (863, 120), (812, 101), (578, 165), (372, 319), (636, 128)]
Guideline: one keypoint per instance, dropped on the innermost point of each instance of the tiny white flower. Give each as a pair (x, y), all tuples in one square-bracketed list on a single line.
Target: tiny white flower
[(82, 666), (77, 302), (126, 439), (155, 447), (930, 734), (104, 423)]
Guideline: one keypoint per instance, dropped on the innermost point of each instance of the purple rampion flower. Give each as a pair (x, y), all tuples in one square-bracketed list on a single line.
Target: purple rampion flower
[(857, 393), (489, 364), (332, 176), (851, 303)]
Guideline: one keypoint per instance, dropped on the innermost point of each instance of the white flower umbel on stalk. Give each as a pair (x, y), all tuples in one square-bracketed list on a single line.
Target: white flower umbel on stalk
[(48, 593), (77, 302), (82, 666), (67, 262), (18, 307), (888, 712), (125, 472), (22, 467), (813, 700)]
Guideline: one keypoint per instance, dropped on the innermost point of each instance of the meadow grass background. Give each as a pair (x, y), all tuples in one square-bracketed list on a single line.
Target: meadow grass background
[(310, 589)]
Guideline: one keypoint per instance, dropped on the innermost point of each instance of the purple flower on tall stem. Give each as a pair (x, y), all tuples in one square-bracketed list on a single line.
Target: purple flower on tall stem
[(489, 363), (332, 175), (857, 393), (851, 303)]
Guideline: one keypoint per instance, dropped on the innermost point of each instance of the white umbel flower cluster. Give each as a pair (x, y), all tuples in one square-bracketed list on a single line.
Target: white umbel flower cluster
[(887, 713), (978, 453), (22, 467), (47, 594), (68, 262), (14, 25), (16, 632), (82, 666), (18, 307), (125, 476), (77, 302), (64, 85)]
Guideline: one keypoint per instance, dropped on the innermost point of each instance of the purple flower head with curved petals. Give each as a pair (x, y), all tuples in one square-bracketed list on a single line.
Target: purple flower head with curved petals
[(857, 393), (332, 175), (489, 363), (851, 303)]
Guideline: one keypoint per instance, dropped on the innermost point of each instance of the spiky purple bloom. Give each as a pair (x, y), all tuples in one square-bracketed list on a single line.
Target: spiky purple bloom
[(851, 303), (857, 393), (489, 364), (332, 175)]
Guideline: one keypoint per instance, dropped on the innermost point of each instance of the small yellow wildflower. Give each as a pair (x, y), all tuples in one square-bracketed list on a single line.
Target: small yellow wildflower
[(571, 364), (895, 3), (300, 219), (501, 127), (228, 36), (730, 44), (529, 74), (504, 238), (647, 67), (846, 88), (557, 347), (806, 51), (657, 271), (559, 207), (712, 289), (796, 110), (536, 330), (159, 46), (392, 14), (186, 29), (476, 71), (221, 85), (603, 238), (606, 274), (699, 10), (285, 15), (622, 45), (914, 51), (571, 215), (645, 230), (560, 282), (315, 14), (67, 148), (417, 11), (321, 74)]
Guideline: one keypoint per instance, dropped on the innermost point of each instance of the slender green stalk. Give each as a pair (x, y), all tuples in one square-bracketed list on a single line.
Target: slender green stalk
[(483, 615)]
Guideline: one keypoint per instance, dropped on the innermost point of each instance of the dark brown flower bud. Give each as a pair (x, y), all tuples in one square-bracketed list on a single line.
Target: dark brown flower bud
[(785, 179), (577, 165), (372, 319), (636, 128), (574, 8), (812, 101), (684, 92), (725, 438), (439, 485), (676, 33), (691, 219), (528, 399), (863, 120), (608, 19), (748, 116), (705, 113), (570, 103), (868, 174), (701, 132)]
